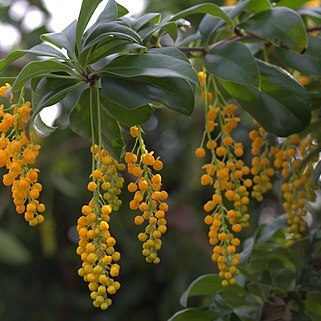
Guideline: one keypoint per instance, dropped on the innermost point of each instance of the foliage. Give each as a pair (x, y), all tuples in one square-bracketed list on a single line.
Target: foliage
[(276, 283)]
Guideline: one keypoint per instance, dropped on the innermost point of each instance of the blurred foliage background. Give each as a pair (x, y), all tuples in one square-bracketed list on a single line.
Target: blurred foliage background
[(38, 267)]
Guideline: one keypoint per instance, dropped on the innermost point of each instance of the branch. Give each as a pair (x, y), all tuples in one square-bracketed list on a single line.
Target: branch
[(246, 37)]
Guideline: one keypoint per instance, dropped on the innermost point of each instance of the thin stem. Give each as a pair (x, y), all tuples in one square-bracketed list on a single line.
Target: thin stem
[(92, 126), (245, 37), (141, 141), (99, 123)]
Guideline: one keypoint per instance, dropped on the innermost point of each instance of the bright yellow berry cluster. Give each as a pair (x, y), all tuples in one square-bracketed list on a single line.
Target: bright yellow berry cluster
[(149, 198), (297, 185), (96, 244), (262, 168), (107, 177), (17, 153), (227, 174)]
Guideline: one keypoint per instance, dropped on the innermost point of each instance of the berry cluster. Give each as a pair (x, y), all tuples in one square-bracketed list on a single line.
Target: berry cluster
[(297, 185), (96, 245), (17, 153), (262, 168), (149, 198), (227, 174)]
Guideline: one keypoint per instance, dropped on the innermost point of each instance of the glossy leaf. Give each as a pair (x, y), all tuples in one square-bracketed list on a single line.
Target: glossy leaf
[(4, 80), (171, 29), (79, 121), (282, 106), (312, 12), (224, 62), (205, 8), (142, 21), (208, 284), (211, 24), (107, 29), (174, 93), (42, 126), (307, 63), (118, 46), (39, 50), (193, 315), (12, 251), (87, 9), (37, 69), (258, 6), (157, 63), (109, 13), (65, 39), (281, 26), (294, 4), (313, 307), (51, 91), (125, 116)]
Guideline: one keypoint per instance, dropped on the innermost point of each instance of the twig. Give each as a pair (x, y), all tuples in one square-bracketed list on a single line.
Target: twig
[(246, 37)]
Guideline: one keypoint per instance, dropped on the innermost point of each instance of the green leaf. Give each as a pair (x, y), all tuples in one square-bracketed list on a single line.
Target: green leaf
[(65, 39), (281, 26), (294, 4), (193, 315), (314, 13), (110, 29), (174, 93), (267, 231), (313, 307), (51, 91), (282, 106), (211, 24), (205, 8), (207, 284), (79, 120), (43, 127), (307, 63), (156, 63), (261, 290), (125, 116), (118, 46), (87, 9), (171, 29), (142, 21), (121, 10), (12, 251), (39, 50), (4, 80), (109, 13), (224, 62), (37, 69), (259, 6)]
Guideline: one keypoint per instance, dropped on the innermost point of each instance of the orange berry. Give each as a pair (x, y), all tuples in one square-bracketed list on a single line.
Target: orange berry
[(134, 131), (200, 152), (139, 220), (148, 159), (158, 165), (220, 151), (92, 186), (206, 179)]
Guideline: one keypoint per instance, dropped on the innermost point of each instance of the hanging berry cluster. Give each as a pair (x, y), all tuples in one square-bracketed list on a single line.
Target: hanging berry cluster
[(227, 175), (297, 176), (96, 244), (17, 153), (149, 197)]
